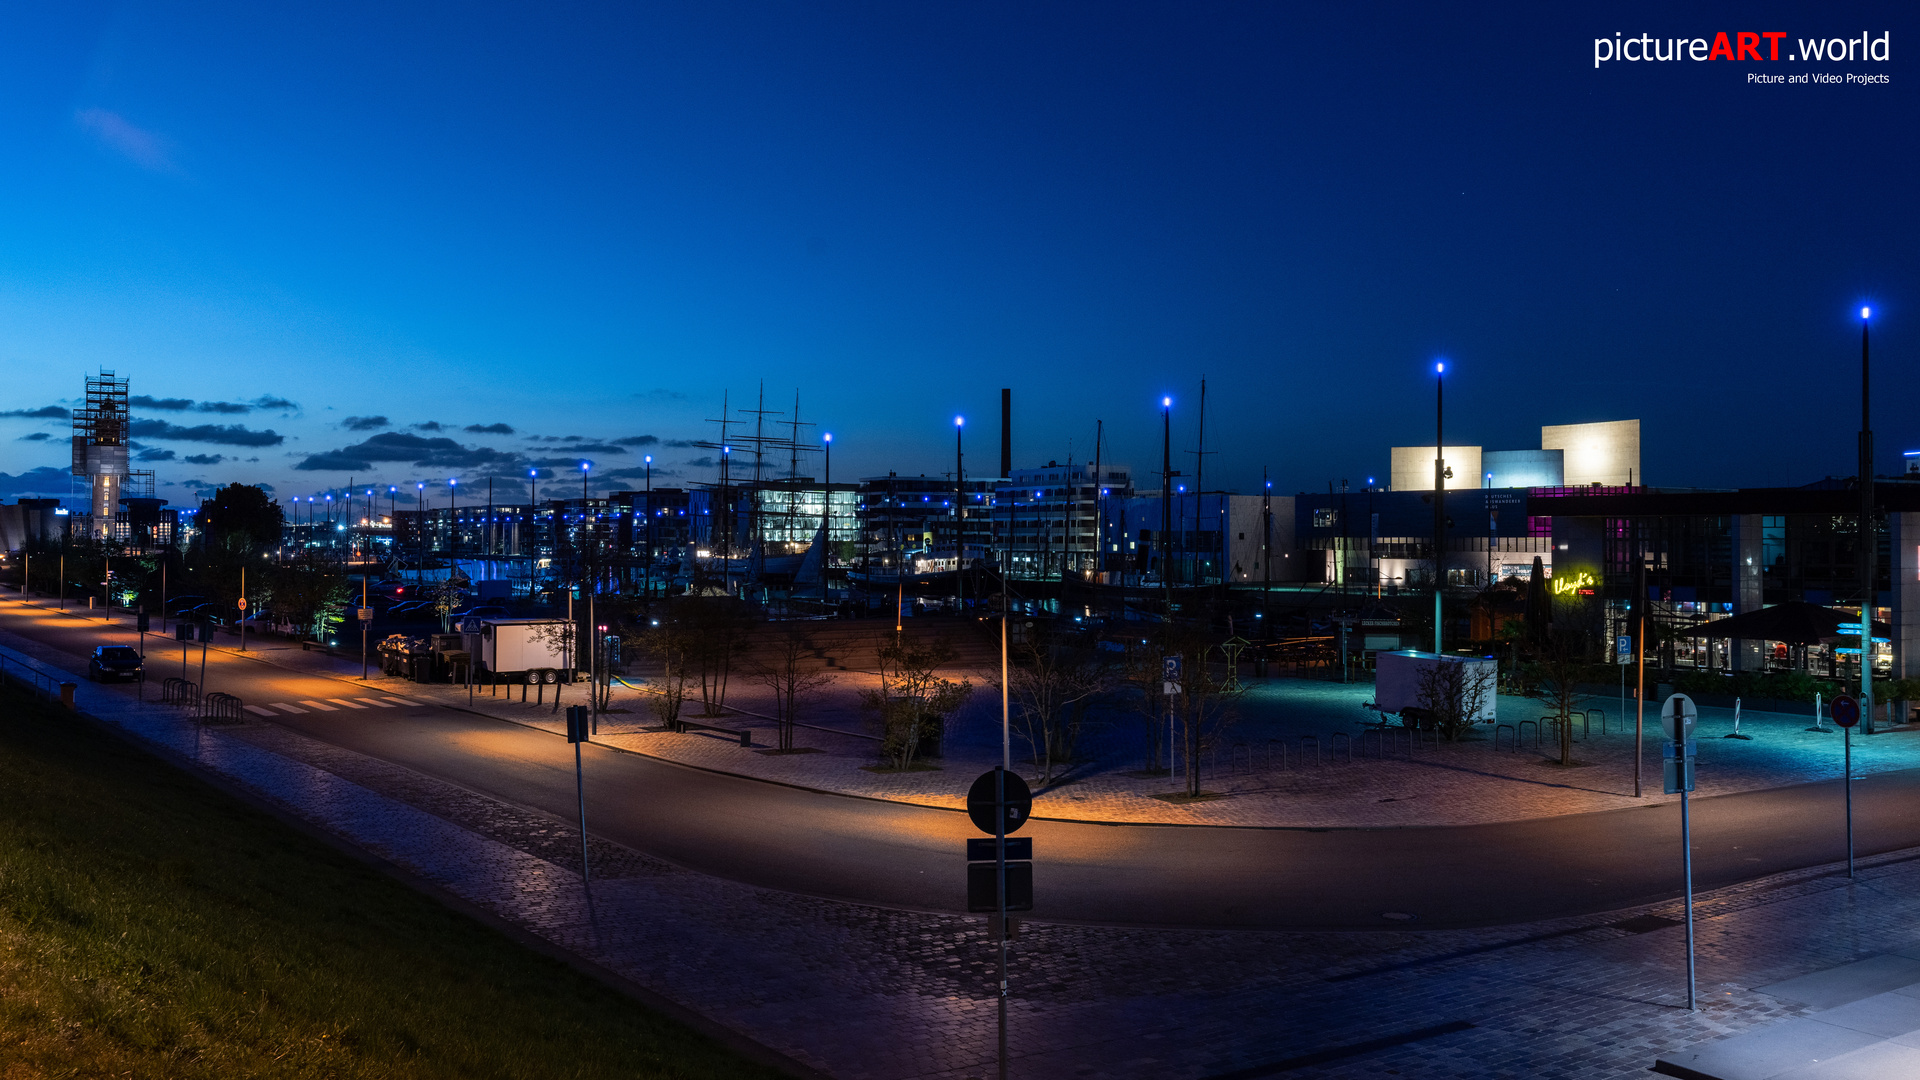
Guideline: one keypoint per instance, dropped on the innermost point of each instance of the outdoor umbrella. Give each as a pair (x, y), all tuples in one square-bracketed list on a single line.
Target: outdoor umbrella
[(1539, 603), (1792, 623)]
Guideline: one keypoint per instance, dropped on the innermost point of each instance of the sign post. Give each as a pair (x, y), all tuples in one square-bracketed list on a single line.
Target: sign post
[(999, 803), (577, 733), (1622, 656), (1170, 686), (1846, 713), (1677, 716)]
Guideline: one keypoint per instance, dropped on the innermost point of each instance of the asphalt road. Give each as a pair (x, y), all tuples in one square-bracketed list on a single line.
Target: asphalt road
[(877, 852)]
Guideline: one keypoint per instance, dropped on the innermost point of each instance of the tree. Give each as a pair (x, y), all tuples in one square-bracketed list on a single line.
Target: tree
[(308, 592), (788, 670), (1054, 687), (912, 702), (1203, 709), (447, 596), (242, 517), (1557, 663), (664, 637), (714, 627), (1453, 696)]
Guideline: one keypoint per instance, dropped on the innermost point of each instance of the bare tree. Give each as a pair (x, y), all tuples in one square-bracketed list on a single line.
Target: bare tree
[(912, 701), (1557, 662), (787, 669), (1453, 695), (663, 637), (1054, 687)]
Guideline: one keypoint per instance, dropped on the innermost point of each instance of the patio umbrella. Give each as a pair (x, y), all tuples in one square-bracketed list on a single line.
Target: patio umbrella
[(1539, 603), (1792, 623)]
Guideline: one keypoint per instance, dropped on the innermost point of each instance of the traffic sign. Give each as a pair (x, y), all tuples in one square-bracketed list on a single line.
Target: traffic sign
[(144, 622), (1623, 649), (980, 802), (1846, 710), (983, 887), (577, 723), (366, 614), (1169, 675), (980, 849), (1677, 717), (243, 603)]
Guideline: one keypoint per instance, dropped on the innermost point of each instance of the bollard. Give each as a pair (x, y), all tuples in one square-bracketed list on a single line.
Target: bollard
[(66, 693)]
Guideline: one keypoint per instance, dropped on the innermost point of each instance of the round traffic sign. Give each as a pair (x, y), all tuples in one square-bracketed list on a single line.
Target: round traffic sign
[(980, 802), (1677, 716), (243, 603), (1846, 711)]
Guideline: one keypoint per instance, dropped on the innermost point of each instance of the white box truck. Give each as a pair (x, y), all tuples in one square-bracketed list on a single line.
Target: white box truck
[(1396, 684), (507, 646)]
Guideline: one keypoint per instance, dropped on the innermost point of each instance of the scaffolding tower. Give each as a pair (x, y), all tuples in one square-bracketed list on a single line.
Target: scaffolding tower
[(100, 448)]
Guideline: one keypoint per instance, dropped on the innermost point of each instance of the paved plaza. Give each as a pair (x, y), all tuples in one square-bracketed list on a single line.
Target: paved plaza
[(860, 991)]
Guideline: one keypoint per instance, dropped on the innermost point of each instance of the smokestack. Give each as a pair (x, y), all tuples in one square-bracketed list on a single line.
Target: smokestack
[(1006, 432)]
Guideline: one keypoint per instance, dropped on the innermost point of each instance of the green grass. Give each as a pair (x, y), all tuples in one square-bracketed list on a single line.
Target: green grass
[(151, 926)]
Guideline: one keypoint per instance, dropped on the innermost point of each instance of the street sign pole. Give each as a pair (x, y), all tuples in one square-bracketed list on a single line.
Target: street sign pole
[(578, 731), (1846, 713), (1677, 716), (1000, 890)]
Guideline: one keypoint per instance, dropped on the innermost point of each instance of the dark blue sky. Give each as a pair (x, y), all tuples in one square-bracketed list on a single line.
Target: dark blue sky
[(591, 221)]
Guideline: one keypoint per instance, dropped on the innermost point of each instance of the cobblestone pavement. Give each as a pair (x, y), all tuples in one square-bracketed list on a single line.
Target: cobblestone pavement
[(863, 992), (1265, 768)]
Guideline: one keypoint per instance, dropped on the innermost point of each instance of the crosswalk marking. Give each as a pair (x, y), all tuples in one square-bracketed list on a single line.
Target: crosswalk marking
[(404, 701), (344, 703), (286, 708), (258, 711), (377, 703), (321, 705)]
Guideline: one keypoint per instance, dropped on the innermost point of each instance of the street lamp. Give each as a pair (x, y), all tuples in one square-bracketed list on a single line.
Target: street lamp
[(586, 534), (826, 512), (1869, 570), (959, 518), (647, 536), (1439, 495), (453, 529), (1166, 515), (420, 508)]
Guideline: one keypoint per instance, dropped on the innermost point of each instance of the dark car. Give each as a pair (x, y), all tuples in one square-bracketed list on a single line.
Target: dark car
[(113, 662)]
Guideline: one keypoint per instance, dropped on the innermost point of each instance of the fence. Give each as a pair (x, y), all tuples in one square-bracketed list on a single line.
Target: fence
[(28, 674)]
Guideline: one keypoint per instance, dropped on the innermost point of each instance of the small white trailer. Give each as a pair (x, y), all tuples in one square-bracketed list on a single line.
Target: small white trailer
[(1397, 677), (515, 645)]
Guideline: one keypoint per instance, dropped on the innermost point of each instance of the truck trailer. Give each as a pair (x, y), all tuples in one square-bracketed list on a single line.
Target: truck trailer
[(512, 646), (1397, 680)]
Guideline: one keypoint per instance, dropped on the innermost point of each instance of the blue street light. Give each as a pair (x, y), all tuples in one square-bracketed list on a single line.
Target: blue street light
[(1866, 313)]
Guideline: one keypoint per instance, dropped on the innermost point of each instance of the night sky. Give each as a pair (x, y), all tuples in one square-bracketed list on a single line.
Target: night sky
[(409, 242)]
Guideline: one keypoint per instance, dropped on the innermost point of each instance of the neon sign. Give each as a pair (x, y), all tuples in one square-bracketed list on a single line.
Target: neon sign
[(1572, 583)]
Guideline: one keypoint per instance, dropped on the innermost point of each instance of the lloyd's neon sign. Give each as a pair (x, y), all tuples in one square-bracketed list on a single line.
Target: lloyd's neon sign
[(1572, 583)]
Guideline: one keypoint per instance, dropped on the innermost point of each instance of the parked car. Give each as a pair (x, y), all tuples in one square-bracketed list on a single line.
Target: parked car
[(113, 662), (483, 611)]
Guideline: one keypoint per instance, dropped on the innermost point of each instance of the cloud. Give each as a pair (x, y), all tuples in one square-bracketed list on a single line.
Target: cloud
[(703, 463), (638, 440), (165, 404), (157, 454), (227, 407), (142, 147), (592, 448), (638, 472), (203, 459), (227, 434), (430, 425), (489, 429), (38, 436), (682, 444), (44, 412), (401, 446), (365, 423), (273, 403), (45, 480)]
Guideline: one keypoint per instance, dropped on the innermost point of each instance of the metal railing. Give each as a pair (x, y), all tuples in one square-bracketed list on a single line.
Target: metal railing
[(30, 676)]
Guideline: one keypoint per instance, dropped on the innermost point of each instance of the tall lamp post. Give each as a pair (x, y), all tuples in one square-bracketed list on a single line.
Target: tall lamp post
[(1869, 543), (646, 536), (453, 531), (420, 503), (1439, 496), (826, 512), (1166, 515), (586, 528), (959, 520)]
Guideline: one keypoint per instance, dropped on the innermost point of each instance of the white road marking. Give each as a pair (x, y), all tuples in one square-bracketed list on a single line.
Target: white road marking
[(344, 703), (404, 701), (284, 707), (321, 705), (258, 711), (377, 703)]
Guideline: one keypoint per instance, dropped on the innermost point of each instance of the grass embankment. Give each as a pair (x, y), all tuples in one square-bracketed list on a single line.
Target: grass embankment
[(152, 926)]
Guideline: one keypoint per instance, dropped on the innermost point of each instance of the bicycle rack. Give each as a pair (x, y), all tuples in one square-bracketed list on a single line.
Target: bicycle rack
[(1508, 728), (1339, 740), (1234, 752), (1520, 729), (1315, 740), (178, 691), (1271, 743), (1602, 714), (218, 708)]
